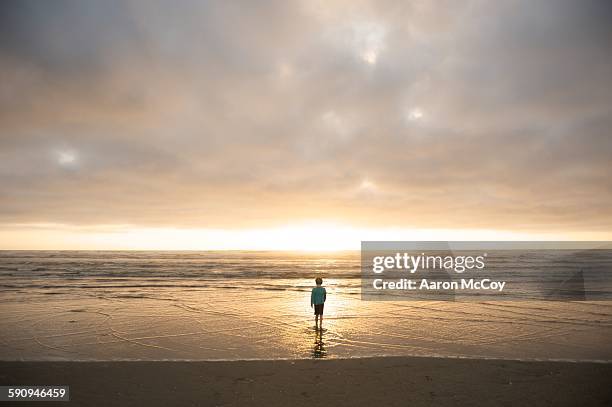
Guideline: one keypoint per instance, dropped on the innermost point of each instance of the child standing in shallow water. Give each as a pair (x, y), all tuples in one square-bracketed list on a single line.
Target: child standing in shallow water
[(317, 299)]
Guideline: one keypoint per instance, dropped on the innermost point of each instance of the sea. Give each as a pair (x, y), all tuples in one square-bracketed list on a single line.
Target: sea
[(241, 305)]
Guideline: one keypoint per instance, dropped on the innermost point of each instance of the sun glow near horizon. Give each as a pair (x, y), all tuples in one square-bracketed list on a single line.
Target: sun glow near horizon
[(311, 237)]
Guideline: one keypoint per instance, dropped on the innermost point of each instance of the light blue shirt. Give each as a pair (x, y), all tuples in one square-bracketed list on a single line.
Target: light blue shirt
[(318, 295)]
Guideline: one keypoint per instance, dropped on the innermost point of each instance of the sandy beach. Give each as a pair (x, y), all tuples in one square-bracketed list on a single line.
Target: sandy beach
[(392, 381)]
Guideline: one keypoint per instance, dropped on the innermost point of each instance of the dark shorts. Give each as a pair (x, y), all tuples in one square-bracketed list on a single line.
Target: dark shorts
[(319, 309)]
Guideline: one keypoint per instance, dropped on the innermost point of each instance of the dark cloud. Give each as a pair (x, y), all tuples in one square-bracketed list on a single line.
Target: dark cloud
[(220, 114)]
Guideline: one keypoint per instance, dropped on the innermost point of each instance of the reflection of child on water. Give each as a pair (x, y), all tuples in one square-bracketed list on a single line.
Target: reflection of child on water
[(317, 299), (319, 348)]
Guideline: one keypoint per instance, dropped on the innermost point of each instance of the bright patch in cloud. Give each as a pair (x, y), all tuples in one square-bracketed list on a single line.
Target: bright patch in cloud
[(66, 158), (368, 39), (367, 186), (370, 57), (415, 114)]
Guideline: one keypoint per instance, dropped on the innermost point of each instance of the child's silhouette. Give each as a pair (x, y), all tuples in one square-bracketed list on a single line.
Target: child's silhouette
[(317, 299)]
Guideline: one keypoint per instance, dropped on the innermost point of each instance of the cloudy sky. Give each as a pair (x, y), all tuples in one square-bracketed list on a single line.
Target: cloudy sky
[(229, 118)]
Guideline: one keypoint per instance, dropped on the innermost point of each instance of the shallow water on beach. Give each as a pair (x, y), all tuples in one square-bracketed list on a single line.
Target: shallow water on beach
[(255, 305)]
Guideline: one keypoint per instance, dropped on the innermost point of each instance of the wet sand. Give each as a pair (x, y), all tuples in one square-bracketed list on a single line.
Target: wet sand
[(392, 381)]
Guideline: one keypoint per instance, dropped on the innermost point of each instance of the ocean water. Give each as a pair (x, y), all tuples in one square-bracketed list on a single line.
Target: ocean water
[(103, 305)]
